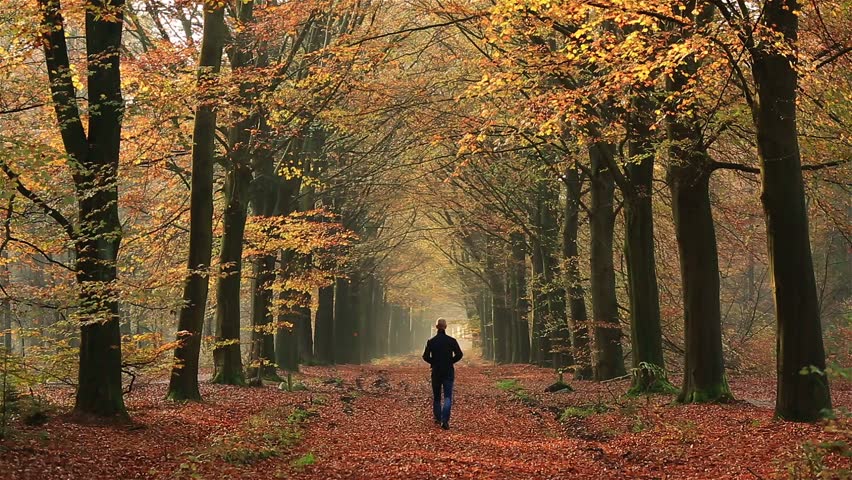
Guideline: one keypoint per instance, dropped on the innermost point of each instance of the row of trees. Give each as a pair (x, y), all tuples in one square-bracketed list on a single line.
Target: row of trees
[(579, 110), (337, 170), (258, 129)]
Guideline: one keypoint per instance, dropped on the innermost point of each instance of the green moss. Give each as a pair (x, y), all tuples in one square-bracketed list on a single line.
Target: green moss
[(234, 378), (299, 415), (583, 411), (304, 461), (182, 396), (265, 435), (719, 393), (649, 378), (509, 385), (518, 392)]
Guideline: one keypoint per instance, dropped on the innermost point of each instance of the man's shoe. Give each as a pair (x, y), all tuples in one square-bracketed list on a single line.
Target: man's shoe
[(445, 425), (437, 421)]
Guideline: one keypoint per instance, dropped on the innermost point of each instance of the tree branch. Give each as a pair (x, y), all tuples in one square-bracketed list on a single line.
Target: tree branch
[(51, 212)]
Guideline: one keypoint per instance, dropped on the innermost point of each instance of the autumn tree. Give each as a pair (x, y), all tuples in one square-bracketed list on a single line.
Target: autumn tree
[(94, 157), (184, 379)]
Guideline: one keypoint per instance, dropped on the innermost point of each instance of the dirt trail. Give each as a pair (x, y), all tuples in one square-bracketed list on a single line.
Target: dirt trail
[(388, 432), (382, 429)]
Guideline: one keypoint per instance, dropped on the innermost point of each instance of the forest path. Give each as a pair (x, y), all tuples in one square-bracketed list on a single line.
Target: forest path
[(374, 422), (385, 430)]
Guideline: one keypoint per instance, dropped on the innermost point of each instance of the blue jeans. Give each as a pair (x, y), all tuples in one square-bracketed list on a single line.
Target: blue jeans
[(446, 383)]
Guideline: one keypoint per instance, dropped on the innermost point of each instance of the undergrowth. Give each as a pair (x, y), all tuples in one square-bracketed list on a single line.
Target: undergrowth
[(268, 434), (517, 391)]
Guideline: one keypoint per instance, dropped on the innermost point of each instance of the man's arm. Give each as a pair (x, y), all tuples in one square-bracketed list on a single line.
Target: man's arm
[(427, 354), (457, 353)]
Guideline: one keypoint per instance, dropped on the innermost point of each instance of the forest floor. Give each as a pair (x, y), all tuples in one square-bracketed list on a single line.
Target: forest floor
[(374, 422)]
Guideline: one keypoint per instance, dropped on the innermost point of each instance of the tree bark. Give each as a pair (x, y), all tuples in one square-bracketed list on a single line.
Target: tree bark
[(344, 328), (574, 290), (802, 395), (226, 353), (290, 313), (94, 160), (355, 319), (5, 303), (688, 176), (520, 305), (646, 331), (183, 384), (380, 314), (540, 340), (554, 293), (608, 358), (704, 368), (262, 333), (324, 337), (238, 177), (501, 318)]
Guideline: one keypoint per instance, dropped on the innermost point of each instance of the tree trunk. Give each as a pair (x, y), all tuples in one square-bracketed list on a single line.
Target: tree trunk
[(380, 338), (540, 340), (554, 293), (688, 177), (5, 302), (646, 331), (95, 160), (344, 329), (272, 197), (304, 332), (574, 290), (324, 337), (289, 317), (487, 325), (238, 177), (801, 396), (608, 359), (355, 319), (500, 314), (262, 333), (704, 368), (183, 384), (366, 313), (520, 305), (226, 353)]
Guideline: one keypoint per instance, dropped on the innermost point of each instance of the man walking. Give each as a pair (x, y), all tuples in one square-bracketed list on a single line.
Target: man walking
[(442, 351)]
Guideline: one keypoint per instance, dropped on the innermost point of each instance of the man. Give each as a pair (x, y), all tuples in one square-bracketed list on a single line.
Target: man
[(442, 352)]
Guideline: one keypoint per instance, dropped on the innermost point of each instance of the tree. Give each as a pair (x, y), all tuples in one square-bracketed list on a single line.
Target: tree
[(608, 360), (688, 176), (94, 157), (803, 391), (183, 384), (574, 290)]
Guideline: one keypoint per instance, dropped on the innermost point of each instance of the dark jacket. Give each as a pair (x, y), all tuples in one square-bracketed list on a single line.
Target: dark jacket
[(442, 351)]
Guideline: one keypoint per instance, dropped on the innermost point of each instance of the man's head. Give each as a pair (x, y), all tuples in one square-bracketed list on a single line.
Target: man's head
[(441, 324)]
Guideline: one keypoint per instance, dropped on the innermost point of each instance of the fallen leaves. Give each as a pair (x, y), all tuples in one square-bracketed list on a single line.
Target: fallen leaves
[(374, 422)]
